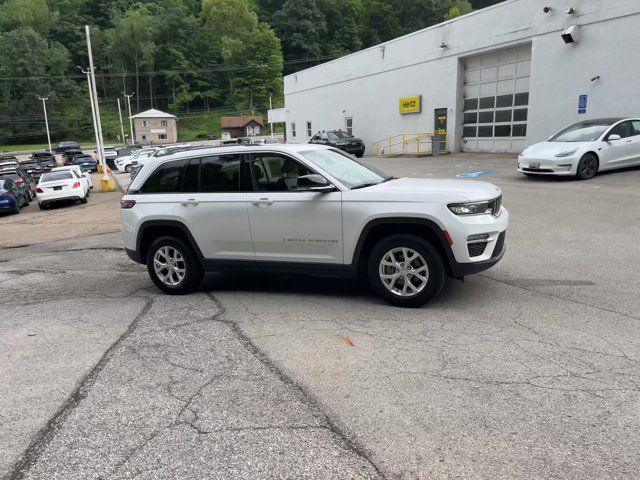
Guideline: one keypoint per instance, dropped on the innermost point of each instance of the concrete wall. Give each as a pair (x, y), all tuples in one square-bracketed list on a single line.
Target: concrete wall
[(170, 130), (367, 85)]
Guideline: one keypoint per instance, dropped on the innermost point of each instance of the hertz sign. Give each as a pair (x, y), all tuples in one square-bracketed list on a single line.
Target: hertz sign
[(411, 104)]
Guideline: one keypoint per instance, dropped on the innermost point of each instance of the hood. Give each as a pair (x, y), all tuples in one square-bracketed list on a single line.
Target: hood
[(550, 148), (467, 190)]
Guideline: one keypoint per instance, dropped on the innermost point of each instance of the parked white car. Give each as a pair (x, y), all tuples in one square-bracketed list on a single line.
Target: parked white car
[(123, 164), (57, 186), (308, 209), (585, 148), (84, 176)]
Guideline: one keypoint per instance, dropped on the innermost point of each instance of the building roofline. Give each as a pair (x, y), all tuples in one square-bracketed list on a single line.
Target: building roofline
[(417, 32)]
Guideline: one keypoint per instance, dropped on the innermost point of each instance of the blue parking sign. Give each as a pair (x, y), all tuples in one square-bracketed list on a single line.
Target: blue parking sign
[(582, 102)]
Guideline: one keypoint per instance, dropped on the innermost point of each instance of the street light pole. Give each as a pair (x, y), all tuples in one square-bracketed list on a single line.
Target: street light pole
[(46, 120), (131, 140), (121, 127)]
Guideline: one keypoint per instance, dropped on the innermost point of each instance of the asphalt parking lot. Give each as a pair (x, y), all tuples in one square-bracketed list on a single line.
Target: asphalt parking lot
[(529, 370)]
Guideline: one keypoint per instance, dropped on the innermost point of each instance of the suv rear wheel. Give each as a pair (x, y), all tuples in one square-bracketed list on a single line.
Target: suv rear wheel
[(405, 270), (173, 266)]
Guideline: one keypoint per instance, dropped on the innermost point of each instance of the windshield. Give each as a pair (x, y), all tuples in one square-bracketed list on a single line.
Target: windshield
[(349, 172), (55, 176), (581, 132)]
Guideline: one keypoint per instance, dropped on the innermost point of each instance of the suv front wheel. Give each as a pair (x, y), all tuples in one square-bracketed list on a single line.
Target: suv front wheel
[(405, 270), (173, 266)]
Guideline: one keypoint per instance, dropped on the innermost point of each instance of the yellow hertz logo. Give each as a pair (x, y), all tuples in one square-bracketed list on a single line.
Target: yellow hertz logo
[(411, 104)]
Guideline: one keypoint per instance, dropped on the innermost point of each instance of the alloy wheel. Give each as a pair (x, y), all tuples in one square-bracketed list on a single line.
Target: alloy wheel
[(404, 272), (169, 265)]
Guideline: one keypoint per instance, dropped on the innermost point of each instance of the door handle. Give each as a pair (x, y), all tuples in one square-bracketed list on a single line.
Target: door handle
[(192, 202), (262, 202), (628, 141)]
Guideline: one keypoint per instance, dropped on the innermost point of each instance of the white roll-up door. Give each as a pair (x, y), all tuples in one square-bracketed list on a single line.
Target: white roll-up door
[(496, 100)]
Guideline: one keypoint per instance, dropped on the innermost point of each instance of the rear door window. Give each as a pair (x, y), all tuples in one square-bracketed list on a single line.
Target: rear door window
[(167, 178), (221, 173)]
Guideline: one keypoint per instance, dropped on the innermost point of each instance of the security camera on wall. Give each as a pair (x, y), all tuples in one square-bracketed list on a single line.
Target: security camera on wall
[(570, 34), (546, 9)]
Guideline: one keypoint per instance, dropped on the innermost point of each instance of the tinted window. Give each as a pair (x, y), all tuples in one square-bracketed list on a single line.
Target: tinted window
[(487, 102), (636, 127), (504, 101), (485, 131), (220, 174), (503, 116), (191, 177), (471, 117), (55, 176), (276, 173), (167, 178), (522, 99), (520, 115), (471, 104), (623, 129), (486, 117), (519, 130), (469, 131), (502, 131)]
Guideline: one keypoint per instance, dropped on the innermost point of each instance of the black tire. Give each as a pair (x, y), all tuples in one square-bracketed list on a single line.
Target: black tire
[(588, 167), (128, 168), (193, 271), (430, 257)]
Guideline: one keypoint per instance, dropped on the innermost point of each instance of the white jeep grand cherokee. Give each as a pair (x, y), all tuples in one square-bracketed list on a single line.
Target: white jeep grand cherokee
[(308, 209)]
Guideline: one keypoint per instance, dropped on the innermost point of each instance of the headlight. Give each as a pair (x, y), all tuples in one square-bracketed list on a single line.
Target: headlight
[(567, 153), (472, 208)]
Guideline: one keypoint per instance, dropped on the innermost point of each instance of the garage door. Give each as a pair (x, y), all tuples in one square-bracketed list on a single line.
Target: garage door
[(496, 99)]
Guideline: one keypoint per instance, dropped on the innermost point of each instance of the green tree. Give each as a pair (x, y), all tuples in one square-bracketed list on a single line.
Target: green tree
[(32, 66), (301, 27), (459, 7)]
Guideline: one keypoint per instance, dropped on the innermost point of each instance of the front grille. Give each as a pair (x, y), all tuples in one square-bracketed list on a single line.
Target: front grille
[(476, 249), (499, 245), (537, 170), (495, 206)]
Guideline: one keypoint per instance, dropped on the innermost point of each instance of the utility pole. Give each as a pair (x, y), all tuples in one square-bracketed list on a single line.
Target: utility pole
[(107, 183), (46, 120), (121, 127), (131, 139), (93, 107)]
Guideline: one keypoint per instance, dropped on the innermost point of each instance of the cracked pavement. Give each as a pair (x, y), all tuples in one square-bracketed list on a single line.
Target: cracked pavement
[(528, 370)]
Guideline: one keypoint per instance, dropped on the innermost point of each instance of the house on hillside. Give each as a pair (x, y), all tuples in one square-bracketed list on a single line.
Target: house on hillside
[(154, 127), (243, 126)]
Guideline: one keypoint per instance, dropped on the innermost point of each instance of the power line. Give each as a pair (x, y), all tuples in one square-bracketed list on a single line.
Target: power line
[(222, 68)]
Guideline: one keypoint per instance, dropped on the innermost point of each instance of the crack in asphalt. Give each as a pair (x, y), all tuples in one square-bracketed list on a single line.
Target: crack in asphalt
[(332, 424), (48, 432), (45, 435)]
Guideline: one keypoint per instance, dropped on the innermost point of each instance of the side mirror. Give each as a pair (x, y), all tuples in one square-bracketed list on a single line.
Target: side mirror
[(613, 136), (314, 183)]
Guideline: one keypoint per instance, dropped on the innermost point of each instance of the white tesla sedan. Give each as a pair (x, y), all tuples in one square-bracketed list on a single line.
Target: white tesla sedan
[(585, 148), (56, 186)]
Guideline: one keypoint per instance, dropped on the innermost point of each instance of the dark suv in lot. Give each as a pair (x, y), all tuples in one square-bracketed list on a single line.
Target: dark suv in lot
[(341, 140)]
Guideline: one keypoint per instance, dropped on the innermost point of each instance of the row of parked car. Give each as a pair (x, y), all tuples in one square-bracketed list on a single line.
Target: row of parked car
[(40, 178)]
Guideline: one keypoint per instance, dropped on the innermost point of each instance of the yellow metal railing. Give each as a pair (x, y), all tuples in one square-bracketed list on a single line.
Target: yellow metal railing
[(419, 143)]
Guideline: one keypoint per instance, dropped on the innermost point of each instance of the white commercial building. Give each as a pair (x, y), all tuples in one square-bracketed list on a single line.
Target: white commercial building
[(495, 80)]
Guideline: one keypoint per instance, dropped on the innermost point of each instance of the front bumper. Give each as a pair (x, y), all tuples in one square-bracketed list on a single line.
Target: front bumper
[(558, 166)]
